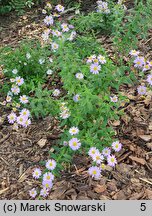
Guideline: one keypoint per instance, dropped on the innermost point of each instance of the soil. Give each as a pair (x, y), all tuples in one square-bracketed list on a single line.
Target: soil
[(22, 150)]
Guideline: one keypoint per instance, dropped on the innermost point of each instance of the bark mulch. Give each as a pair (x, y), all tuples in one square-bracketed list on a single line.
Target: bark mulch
[(22, 150)]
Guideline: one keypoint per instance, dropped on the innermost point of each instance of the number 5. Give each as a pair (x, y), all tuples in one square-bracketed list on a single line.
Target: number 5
[(143, 207)]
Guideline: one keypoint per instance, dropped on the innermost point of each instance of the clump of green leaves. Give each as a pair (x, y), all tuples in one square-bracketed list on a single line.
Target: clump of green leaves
[(16, 5)]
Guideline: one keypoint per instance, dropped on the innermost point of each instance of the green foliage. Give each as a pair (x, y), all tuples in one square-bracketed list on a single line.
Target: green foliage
[(17, 5), (95, 111), (34, 75), (42, 104), (128, 28)]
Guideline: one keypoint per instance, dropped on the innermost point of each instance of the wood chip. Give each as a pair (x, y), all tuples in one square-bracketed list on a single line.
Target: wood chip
[(42, 142), (148, 194), (100, 188), (136, 196), (146, 138), (138, 160), (149, 145), (4, 190)]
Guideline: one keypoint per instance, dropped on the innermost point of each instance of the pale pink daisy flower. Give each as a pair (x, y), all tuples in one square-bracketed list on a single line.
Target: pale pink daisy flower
[(21, 120), (98, 158), (146, 67), (74, 144), (116, 146), (19, 81), (12, 118), (56, 92), (47, 31), (134, 53), (15, 90), (45, 36), (93, 151), (23, 99), (64, 114), (15, 71), (101, 59), (111, 159), (48, 20), (36, 173), (95, 68), (74, 130), (106, 152), (12, 80), (95, 61), (141, 90), (51, 164), (47, 184), (79, 76), (114, 99), (44, 192), (33, 193), (27, 123), (8, 99), (54, 46), (56, 33), (149, 79), (59, 8), (25, 112), (48, 176), (76, 98), (91, 58), (95, 172), (65, 27), (139, 61)]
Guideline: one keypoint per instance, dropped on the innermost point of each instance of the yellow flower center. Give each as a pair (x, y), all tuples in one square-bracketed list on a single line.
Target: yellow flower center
[(74, 143), (48, 177), (51, 164), (94, 172), (98, 157), (112, 160), (46, 185)]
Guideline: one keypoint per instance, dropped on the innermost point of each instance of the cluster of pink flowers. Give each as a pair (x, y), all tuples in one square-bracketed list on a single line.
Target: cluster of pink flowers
[(99, 158), (102, 7), (18, 116), (74, 143), (95, 63), (53, 32), (47, 179), (65, 112), (141, 63)]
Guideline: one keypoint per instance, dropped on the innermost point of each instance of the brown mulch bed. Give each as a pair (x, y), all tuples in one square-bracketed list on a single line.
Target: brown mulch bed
[(21, 151)]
